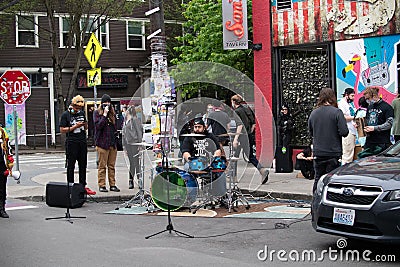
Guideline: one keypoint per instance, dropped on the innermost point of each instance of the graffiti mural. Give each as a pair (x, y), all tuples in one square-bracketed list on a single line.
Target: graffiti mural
[(310, 21), (368, 62)]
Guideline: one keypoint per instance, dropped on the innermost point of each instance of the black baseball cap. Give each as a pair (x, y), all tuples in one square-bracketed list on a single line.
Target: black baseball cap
[(348, 91), (199, 121)]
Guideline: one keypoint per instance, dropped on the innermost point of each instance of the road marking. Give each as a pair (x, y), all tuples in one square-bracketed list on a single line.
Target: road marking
[(22, 207)]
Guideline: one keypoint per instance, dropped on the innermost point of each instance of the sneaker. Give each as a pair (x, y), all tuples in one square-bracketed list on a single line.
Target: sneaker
[(103, 189), (114, 188), (3, 213), (89, 191), (264, 175)]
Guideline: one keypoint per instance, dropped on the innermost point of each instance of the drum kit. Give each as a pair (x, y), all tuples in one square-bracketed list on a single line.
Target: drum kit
[(203, 183)]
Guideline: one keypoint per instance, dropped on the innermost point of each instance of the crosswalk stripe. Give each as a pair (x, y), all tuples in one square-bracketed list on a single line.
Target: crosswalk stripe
[(22, 207)]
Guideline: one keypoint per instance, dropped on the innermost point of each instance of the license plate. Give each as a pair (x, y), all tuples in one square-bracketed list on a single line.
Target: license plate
[(344, 216)]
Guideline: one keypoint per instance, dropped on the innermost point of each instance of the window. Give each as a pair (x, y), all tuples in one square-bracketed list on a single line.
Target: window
[(64, 33), (135, 35), (100, 27), (27, 31), (101, 31), (284, 4)]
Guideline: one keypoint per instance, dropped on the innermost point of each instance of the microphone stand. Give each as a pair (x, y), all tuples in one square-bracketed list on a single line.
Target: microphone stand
[(169, 227), (68, 216)]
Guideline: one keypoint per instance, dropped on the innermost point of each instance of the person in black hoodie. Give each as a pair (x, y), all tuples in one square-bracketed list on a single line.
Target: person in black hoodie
[(285, 127)]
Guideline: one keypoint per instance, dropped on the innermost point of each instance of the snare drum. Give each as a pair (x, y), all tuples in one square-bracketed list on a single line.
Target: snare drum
[(218, 164), (183, 190), (198, 164)]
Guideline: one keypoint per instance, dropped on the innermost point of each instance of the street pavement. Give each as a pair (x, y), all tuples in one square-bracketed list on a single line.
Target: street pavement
[(279, 185)]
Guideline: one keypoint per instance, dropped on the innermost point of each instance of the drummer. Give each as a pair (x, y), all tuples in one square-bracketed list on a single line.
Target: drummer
[(201, 144)]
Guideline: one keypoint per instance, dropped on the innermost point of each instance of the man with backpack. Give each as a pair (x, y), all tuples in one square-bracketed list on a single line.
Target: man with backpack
[(245, 138)]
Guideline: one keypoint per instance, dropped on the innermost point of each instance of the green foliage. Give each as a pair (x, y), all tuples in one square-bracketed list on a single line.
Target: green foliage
[(203, 41)]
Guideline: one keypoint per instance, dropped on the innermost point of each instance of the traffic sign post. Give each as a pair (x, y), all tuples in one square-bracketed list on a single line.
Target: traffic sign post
[(94, 77), (93, 50), (15, 88), (92, 53)]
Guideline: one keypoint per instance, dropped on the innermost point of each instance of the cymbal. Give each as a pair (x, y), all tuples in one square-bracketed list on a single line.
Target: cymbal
[(169, 159), (229, 134), (193, 135), (198, 172), (142, 144)]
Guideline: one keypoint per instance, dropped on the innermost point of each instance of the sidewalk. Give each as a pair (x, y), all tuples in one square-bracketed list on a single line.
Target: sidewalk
[(279, 185)]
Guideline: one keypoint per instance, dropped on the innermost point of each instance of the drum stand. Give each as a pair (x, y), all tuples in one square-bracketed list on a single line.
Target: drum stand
[(207, 199), (142, 197), (234, 194)]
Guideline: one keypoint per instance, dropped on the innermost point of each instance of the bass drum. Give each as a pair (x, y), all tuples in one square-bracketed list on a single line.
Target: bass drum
[(192, 187), (182, 187)]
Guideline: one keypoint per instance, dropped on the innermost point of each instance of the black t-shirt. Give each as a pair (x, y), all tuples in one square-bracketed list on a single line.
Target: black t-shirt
[(377, 114), (200, 146), (243, 119), (70, 119)]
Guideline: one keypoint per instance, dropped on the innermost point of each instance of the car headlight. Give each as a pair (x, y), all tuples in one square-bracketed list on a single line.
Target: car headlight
[(393, 195), (320, 185)]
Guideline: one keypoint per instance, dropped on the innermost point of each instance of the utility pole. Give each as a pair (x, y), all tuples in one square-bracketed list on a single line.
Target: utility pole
[(156, 13)]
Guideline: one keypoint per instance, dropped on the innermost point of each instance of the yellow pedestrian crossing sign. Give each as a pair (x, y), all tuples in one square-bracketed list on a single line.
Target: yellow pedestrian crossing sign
[(94, 77), (93, 50)]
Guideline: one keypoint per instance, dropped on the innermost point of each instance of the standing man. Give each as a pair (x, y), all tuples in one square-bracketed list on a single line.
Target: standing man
[(346, 105), (74, 124), (379, 121), (245, 138), (106, 144), (327, 126), (396, 122)]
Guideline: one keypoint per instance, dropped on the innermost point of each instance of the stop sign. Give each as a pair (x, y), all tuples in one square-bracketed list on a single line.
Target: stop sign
[(15, 87)]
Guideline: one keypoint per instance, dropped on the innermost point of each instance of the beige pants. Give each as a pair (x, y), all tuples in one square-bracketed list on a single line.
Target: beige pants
[(107, 158), (348, 145)]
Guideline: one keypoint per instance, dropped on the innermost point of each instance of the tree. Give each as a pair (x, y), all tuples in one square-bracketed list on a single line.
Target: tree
[(83, 16), (203, 41)]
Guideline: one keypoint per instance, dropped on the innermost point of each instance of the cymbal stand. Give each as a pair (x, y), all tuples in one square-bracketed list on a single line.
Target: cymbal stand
[(142, 197), (234, 194)]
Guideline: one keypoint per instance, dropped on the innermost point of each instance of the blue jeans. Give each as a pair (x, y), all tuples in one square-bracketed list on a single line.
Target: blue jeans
[(246, 142)]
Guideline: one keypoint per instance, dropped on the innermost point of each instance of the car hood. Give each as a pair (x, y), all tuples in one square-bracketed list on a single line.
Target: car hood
[(376, 171)]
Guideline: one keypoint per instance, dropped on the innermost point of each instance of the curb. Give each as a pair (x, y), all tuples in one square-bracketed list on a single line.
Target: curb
[(123, 198), (117, 198)]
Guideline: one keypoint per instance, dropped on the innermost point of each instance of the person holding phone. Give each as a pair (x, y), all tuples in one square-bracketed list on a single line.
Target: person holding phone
[(74, 124), (106, 143)]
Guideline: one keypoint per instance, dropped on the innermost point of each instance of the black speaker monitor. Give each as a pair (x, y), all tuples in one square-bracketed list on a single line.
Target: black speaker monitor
[(283, 160), (57, 195)]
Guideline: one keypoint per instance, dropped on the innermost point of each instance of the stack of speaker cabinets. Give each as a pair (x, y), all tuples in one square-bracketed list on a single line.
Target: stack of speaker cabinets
[(283, 160)]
